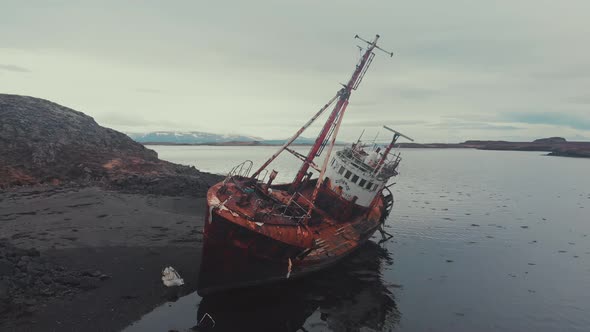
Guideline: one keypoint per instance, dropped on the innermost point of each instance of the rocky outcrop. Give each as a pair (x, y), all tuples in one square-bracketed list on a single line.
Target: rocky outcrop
[(43, 142), (27, 280)]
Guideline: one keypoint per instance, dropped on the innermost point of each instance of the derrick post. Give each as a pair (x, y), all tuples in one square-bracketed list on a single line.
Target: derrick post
[(386, 152), (338, 111)]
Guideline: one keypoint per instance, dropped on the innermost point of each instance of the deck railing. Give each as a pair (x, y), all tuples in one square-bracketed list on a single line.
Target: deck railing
[(241, 170)]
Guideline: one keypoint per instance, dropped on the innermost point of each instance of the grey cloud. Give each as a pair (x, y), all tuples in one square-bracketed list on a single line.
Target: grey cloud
[(149, 90), (583, 99), (379, 123), (470, 125), (579, 137), (365, 103), (472, 117), (565, 73), (472, 52), (14, 68), (268, 65), (564, 119), (132, 120), (413, 93)]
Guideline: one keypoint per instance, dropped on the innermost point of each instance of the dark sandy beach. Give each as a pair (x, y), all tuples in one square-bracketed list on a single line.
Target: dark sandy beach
[(74, 255), (126, 238)]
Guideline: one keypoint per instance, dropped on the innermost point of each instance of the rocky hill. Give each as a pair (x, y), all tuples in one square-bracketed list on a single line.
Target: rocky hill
[(43, 142), (550, 140), (556, 146)]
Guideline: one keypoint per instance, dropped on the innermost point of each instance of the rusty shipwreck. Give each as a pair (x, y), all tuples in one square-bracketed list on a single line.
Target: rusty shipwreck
[(257, 231)]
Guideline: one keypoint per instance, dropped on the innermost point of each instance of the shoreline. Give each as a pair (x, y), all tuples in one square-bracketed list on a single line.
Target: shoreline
[(129, 238), (561, 149)]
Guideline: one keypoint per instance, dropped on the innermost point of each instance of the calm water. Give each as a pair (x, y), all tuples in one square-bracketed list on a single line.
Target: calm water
[(484, 241)]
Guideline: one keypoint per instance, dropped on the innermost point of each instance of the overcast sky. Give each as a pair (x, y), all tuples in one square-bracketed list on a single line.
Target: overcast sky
[(462, 70)]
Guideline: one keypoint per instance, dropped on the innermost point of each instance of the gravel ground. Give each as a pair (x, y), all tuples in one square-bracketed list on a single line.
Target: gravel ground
[(86, 259)]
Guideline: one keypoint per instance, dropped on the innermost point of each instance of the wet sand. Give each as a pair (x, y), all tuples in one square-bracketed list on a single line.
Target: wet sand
[(128, 237)]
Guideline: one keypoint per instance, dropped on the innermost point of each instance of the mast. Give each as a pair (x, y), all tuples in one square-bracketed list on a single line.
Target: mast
[(294, 137), (338, 110), (314, 195), (396, 135)]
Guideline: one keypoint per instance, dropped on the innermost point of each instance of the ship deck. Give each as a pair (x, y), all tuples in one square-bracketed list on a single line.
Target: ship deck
[(333, 228)]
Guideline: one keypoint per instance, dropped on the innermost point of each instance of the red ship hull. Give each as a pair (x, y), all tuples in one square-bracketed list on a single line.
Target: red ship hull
[(239, 251), (256, 232)]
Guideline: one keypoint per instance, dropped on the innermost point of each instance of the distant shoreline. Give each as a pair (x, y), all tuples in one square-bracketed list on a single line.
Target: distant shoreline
[(254, 143), (555, 146)]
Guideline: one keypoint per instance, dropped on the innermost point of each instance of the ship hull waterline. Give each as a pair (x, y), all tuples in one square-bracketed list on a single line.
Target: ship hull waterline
[(235, 255)]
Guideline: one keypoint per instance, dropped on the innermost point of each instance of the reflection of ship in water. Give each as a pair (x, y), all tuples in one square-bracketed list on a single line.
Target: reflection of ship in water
[(348, 297)]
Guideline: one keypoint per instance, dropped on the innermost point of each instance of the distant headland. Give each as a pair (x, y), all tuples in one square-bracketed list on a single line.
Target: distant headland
[(556, 146)]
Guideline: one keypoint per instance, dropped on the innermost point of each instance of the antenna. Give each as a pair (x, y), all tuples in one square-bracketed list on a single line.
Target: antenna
[(374, 139), (374, 44), (330, 128), (397, 133), (358, 141), (367, 58)]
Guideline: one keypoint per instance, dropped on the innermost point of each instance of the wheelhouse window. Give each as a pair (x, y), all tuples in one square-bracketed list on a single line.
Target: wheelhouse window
[(348, 174), (355, 178), (341, 170), (369, 185), (362, 183)]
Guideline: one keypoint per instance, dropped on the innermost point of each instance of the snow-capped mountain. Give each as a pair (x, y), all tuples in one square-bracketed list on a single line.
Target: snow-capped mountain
[(199, 137), (190, 137)]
